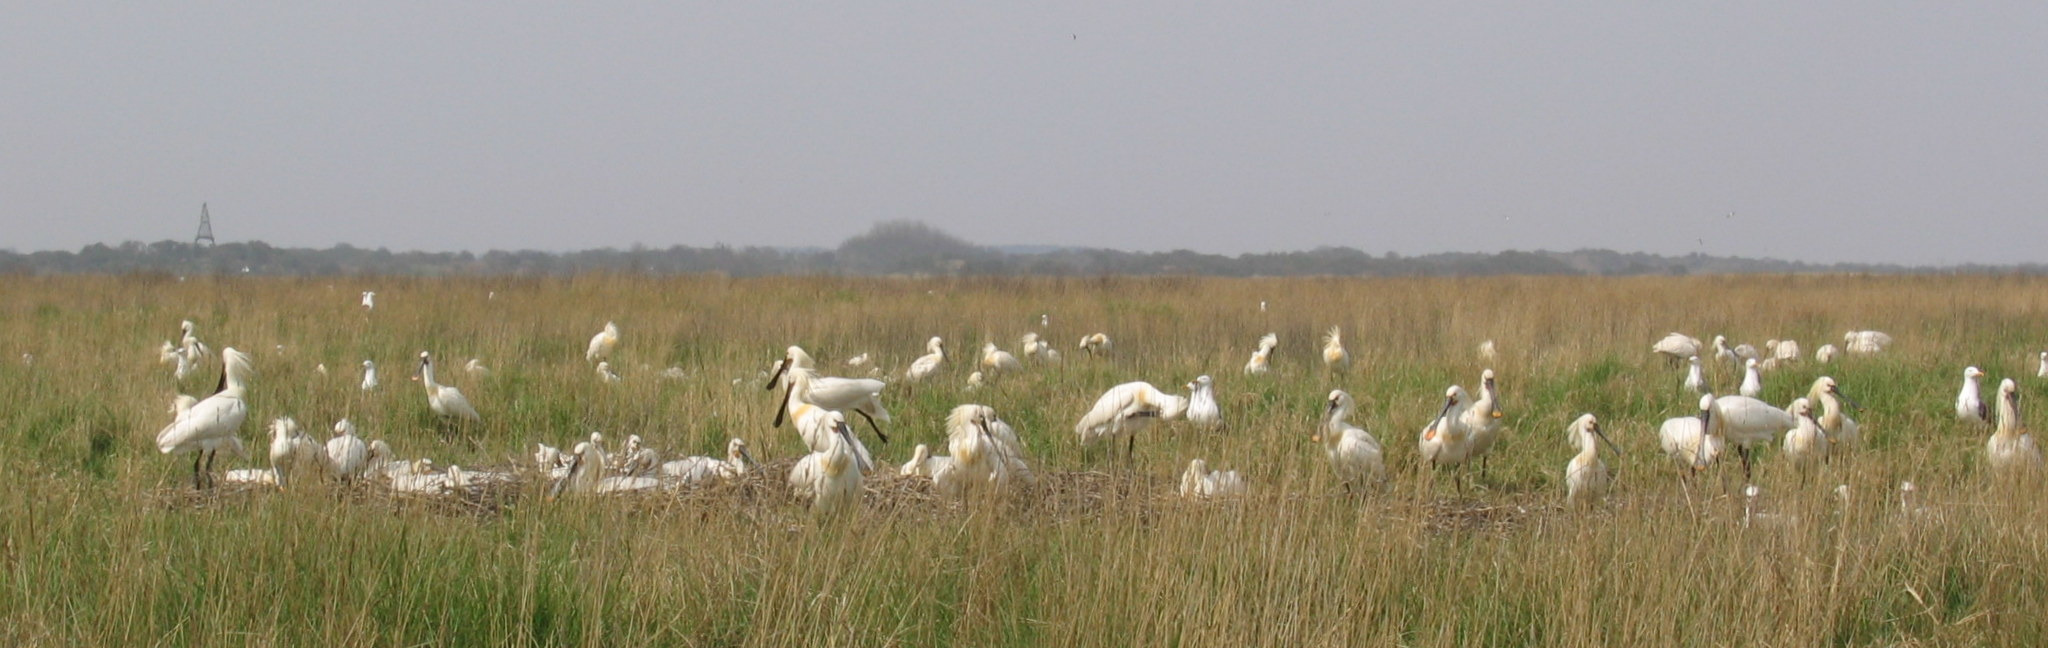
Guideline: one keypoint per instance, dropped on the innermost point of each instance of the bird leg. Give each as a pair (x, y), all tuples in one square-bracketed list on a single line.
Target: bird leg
[(196, 456), (1743, 451), (1131, 449), (871, 423), (210, 454)]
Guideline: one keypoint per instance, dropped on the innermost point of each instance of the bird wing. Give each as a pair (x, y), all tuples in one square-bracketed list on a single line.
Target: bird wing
[(216, 416), (843, 393)]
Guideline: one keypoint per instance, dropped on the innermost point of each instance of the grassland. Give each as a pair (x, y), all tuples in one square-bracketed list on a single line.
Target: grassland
[(101, 542)]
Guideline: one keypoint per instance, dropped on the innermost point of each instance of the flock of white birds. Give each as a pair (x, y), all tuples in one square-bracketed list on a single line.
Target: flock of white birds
[(983, 454)]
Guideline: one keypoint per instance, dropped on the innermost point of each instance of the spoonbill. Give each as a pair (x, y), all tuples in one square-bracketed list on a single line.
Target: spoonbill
[(445, 400), (1825, 354), (369, 299), (858, 361), (1585, 476), (923, 464), (369, 375), (206, 425), (1840, 428), (1677, 346), (997, 361), (475, 367), (1446, 441), (1483, 419), (830, 478), (815, 428), (1740, 421), (1783, 351), (1752, 382), (1127, 409), (1355, 456), (975, 380), (605, 373), (1203, 411), (696, 471), (1685, 438), (2011, 447), (348, 452), (637, 460), (1721, 351), (1805, 444), (1334, 357), (1488, 352), (601, 345), (977, 457), (1198, 482), (2043, 371), (1695, 382), (928, 363), (1969, 406), (802, 384), (1263, 356), (295, 456), (1033, 347), (1095, 343), (1866, 342), (188, 340)]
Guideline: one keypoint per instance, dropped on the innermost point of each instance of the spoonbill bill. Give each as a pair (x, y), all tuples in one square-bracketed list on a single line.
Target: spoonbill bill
[(445, 400), (1355, 456), (205, 426)]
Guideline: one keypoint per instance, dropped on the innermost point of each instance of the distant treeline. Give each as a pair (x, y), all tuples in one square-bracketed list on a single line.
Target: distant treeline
[(892, 248)]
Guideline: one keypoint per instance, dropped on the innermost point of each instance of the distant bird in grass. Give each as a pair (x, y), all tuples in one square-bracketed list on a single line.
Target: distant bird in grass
[(1695, 381), (1334, 357), (1262, 357), (446, 401), (2042, 372), (857, 361), (1969, 405), (347, 451), (1866, 342), (1203, 411), (923, 464), (295, 457), (1685, 438), (928, 363), (1585, 476), (1677, 347), (2011, 447), (475, 367), (700, 471), (1198, 482), (1127, 409), (980, 460), (369, 375), (1033, 347), (605, 373), (1355, 456), (601, 345), (1752, 381), (205, 427), (1826, 353), (369, 300), (1095, 343), (996, 362), (1488, 352), (1783, 351)]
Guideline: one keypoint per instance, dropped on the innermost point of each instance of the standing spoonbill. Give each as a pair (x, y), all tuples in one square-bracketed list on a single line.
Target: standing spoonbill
[(601, 345), (1677, 346), (446, 401), (1840, 428), (1784, 351), (1685, 438), (997, 361), (2011, 447), (802, 384), (1585, 476), (1744, 422), (1752, 381), (295, 456), (1334, 357), (830, 479), (1825, 354), (1203, 411), (369, 299), (1263, 356), (1969, 406), (348, 452), (204, 427), (1033, 347), (1483, 419), (1198, 482), (977, 457), (2043, 371), (1127, 409), (928, 363), (1805, 444), (1446, 441), (1355, 456), (1488, 352), (1695, 381)]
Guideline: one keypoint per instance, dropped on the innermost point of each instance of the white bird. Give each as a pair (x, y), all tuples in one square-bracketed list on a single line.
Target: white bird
[(369, 299), (1752, 382), (923, 464), (1842, 430), (381, 458), (1198, 482), (1721, 351), (1825, 354), (979, 461), (975, 380), (1783, 351), (476, 368), (1446, 441), (1695, 382), (206, 426), (1203, 411), (2043, 371), (587, 469), (320, 368), (418, 477), (195, 350), (347, 451), (446, 401), (698, 471), (1033, 347), (1127, 409), (1685, 438), (1355, 456), (1334, 357), (1969, 405), (1095, 343), (601, 345), (1483, 419), (369, 375), (857, 361), (637, 460), (830, 478), (1488, 352), (1866, 342), (1677, 346), (927, 364), (802, 384), (1262, 357), (1740, 421), (1805, 443), (2011, 447), (605, 374), (1585, 476), (815, 428), (294, 456), (997, 362)]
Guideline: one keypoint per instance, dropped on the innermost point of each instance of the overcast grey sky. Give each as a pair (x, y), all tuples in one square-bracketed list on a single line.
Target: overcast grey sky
[(1859, 131)]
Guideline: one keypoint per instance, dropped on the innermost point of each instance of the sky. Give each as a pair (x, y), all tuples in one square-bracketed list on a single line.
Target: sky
[(1878, 132)]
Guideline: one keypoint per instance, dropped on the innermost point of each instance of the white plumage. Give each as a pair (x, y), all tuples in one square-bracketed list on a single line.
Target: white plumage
[(928, 363), (1969, 405), (830, 478), (698, 471), (1752, 381), (1127, 409), (1198, 482), (446, 401), (369, 375), (1805, 443), (1446, 441), (295, 457), (2011, 447), (205, 426), (1095, 343), (601, 345), (1335, 358), (1585, 476), (1695, 381), (347, 451), (1355, 455), (1203, 411), (1841, 430), (1263, 356), (1677, 346)]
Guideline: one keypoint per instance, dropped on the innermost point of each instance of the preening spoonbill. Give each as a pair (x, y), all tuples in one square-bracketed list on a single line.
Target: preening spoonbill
[(1446, 441), (1805, 443), (1825, 354), (815, 428), (1969, 405), (369, 299), (697, 471), (601, 345), (2011, 447), (997, 361), (1677, 346), (830, 478), (1127, 409), (1095, 343), (206, 425), (1334, 357), (979, 460), (605, 373), (928, 363), (802, 384), (1841, 429), (1585, 476), (1203, 411), (476, 368), (195, 350), (1488, 352), (446, 401), (923, 464), (1752, 382), (1865, 342), (369, 375), (295, 456), (1263, 356), (1355, 456), (348, 452), (1695, 382), (1483, 419), (1198, 482), (1685, 438)]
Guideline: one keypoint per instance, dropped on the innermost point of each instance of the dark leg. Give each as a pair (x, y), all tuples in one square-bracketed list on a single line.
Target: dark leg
[(196, 456), (1131, 449), (210, 454), (1743, 451)]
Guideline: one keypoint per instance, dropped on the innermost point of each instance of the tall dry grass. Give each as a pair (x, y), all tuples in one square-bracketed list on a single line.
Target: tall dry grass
[(101, 544)]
